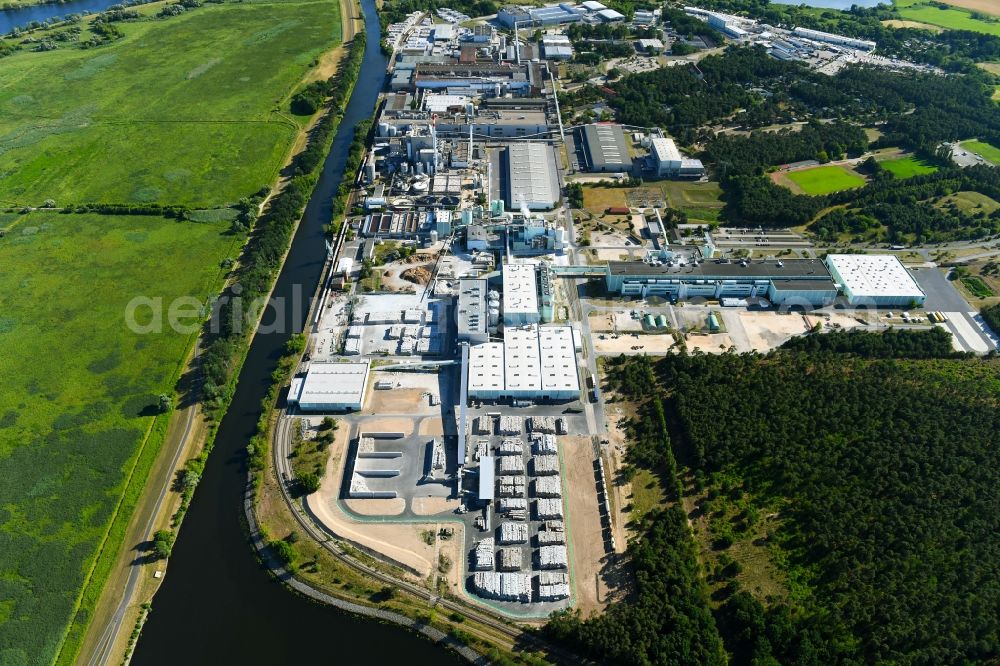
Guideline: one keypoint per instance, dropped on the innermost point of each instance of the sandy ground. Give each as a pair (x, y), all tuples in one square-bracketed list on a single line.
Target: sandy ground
[(376, 507), (399, 401), (612, 255), (613, 462), (401, 542), (429, 506), (653, 343), (714, 343), (896, 23), (586, 536), (399, 424), (614, 321), (767, 330), (432, 427)]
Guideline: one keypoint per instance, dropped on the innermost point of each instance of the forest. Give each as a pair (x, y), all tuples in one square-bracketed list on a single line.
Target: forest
[(880, 457)]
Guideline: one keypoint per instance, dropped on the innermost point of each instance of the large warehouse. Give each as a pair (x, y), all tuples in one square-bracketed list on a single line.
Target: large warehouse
[(668, 161), (878, 280), (604, 149), (789, 281), (532, 363), (330, 387), (529, 171)]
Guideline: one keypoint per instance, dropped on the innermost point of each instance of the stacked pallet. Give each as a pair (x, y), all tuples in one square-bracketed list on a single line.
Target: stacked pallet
[(511, 425), (510, 447), (483, 555), (545, 465), (548, 486), (511, 486), (543, 424), (552, 557), (510, 559), (513, 533), (503, 586), (505, 504), (544, 444), (510, 465), (549, 509)]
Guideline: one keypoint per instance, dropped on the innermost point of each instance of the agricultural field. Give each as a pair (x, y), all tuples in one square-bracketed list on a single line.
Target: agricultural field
[(989, 152), (825, 179), (907, 167), (952, 19), (190, 110), (79, 399)]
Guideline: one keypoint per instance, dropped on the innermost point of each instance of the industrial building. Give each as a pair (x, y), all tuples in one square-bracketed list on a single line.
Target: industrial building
[(520, 295), (604, 148), (473, 313), (557, 47), (792, 281), (840, 40), (532, 363), (668, 162), (529, 176), (878, 280), (330, 387)]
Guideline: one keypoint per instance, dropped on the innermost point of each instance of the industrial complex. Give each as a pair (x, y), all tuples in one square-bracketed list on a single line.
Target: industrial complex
[(459, 329)]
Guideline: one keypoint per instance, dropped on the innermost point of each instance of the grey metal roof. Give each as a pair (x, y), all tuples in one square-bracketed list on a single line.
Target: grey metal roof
[(605, 147), (804, 269)]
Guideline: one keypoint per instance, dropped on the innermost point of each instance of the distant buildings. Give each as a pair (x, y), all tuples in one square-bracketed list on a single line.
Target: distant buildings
[(816, 35)]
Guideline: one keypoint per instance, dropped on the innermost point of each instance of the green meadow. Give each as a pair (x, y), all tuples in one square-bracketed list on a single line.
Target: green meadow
[(188, 110), (825, 179), (79, 394), (951, 18), (907, 167)]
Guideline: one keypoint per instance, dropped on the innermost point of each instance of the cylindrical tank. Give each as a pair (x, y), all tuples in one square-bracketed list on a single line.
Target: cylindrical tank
[(645, 142), (404, 168), (383, 129), (647, 322), (434, 236), (494, 318), (494, 296), (713, 322), (419, 186), (467, 216), (661, 321), (418, 168)]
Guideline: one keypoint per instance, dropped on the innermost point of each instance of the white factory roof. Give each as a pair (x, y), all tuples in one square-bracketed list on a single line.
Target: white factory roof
[(520, 290), (521, 359), (873, 275), (558, 358), (610, 15), (486, 367), (334, 383), (442, 102), (592, 6), (444, 32), (487, 478), (665, 150)]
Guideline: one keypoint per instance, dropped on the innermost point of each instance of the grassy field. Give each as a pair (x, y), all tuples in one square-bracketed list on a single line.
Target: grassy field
[(80, 394), (952, 19), (701, 202), (971, 201), (989, 152), (825, 179), (907, 167), (188, 110)]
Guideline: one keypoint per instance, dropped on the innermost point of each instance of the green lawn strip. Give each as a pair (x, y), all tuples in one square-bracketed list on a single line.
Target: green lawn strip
[(205, 123), (907, 167), (826, 179), (977, 287), (79, 400)]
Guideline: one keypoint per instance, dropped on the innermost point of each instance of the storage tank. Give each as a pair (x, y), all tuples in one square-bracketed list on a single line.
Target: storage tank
[(467, 216), (494, 296), (434, 236), (383, 129), (494, 318), (648, 323), (713, 323), (404, 168), (418, 168), (661, 321)]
